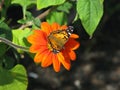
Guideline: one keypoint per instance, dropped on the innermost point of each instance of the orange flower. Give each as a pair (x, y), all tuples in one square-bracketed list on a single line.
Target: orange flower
[(44, 54)]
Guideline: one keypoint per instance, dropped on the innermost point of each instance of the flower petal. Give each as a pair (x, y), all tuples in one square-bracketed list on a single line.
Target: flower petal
[(36, 48), (72, 55), (56, 63), (39, 56), (65, 61), (46, 27), (63, 27), (74, 36), (65, 53), (38, 37), (47, 59), (72, 44), (68, 53), (55, 26)]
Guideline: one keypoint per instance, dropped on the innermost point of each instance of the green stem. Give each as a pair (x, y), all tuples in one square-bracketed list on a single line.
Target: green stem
[(6, 41), (24, 11)]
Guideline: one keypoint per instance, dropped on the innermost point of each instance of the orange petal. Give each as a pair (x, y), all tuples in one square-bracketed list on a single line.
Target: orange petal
[(72, 55), (36, 48), (46, 27), (68, 53), (47, 59), (39, 56), (63, 27), (72, 44), (65, 61), (56, 63), (55, 26), (74, 36), (38, 37), (65, 53)]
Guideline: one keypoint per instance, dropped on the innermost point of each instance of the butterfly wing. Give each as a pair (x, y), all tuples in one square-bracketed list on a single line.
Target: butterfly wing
[(57, 39)]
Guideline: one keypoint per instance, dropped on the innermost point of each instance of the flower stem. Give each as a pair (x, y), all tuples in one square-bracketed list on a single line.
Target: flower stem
[(6, 41)]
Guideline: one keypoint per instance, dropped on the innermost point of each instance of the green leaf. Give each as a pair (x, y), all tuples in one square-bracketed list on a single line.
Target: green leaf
[(13, 79), (37, 22), (20, 37), (65, 7), (4, 7), (29, 18), (3, 49), (59, 17), (101, 1), (5, 31), (90, 13), (46, 3), (24, 3), (7, 3)]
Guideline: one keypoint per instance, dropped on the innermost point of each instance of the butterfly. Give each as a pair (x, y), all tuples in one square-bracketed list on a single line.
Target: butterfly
[(58, 38)]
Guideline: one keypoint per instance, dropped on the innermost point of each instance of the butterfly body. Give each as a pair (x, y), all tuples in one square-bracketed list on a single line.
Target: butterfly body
[(58, 38)]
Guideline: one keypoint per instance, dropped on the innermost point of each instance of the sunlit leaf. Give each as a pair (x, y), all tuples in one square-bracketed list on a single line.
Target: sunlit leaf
[(101, 1), (24, 2), (19, 36), (90, 13), (46, 3)]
